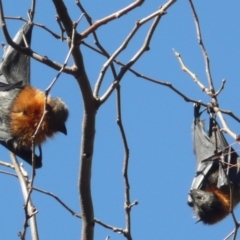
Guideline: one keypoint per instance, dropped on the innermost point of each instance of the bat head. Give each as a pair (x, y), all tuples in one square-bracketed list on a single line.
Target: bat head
[(58, 114), (208, 206)]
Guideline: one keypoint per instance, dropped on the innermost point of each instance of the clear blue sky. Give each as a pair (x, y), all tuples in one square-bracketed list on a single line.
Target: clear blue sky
[(157, 122)]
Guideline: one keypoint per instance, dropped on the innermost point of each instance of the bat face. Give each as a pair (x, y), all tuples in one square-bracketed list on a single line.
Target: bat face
[(22, 106), (208, 206), (217, 171)]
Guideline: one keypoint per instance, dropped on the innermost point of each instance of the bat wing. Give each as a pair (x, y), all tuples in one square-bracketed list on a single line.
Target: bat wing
[(229, 169), (15, 67), (25, 154), (14, 74), (204, 149)]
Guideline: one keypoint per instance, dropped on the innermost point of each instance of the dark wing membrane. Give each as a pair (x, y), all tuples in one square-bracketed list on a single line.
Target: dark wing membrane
[(204, 150), (228, 171), (7, 87), (15, 66), (25, 154)]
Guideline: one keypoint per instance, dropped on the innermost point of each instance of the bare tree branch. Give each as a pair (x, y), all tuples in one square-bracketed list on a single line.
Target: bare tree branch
[(221, 88), (114, 229), (30, 210), (192, 75), (225, 126), (61, 27), (6, 164), (231, 114), (127, 231), (205, 55), (59, 200), (88, 127), (32, 10), (8, 173), (111, 17)]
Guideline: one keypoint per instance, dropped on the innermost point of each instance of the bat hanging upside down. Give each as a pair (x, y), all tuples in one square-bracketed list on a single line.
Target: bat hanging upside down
[(216, 186), (22, 106)]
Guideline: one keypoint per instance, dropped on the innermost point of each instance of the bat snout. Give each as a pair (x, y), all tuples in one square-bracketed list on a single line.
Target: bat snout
[(63, 129)]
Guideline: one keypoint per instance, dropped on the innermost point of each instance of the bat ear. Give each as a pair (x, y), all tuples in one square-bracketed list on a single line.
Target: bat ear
[(15, 66), (196, 110)]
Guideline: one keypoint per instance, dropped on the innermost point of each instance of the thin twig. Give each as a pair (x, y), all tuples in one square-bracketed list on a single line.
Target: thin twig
[(169, 85), (233, 233), (192, 75), (221, 88), (225, 126), (127, 231), (229, 235), (114, 229), (205, 55), (127, 205), (59, 200), (38, 25), (32, 10), (65, 62), (231, 114), (111, 17), (8, 173), (60, 26), (6, 164)]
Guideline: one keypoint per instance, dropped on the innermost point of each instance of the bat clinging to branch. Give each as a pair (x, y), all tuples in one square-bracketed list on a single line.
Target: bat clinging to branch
[(22, 106), (216, 186)]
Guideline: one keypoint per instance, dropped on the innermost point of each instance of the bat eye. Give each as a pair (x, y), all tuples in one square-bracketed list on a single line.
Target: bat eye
[(199, 197)]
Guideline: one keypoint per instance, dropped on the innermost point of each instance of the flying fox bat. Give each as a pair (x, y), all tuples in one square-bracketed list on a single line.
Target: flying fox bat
[(22, 106), (216, 186)]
